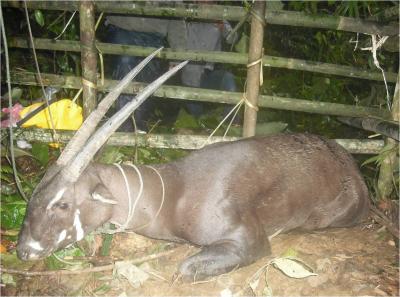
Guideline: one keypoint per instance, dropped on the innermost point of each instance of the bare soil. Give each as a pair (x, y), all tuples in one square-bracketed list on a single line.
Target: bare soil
[(349, 262)]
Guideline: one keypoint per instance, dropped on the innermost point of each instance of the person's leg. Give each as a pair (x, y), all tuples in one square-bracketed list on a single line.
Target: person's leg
[(220, 80)]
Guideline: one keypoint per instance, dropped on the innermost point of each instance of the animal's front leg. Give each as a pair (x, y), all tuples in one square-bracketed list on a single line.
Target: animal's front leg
[(221, 257)]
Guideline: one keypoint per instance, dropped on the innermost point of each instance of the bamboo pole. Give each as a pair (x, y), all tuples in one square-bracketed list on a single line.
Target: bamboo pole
[(208, 56), (385, 128), (390, 164), (189, 142), (254, 69), (390, 13), (220, 12), (206, 95), (88, 56)]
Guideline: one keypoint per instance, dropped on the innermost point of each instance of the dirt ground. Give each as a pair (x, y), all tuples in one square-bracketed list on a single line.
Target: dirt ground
[(356, 261)]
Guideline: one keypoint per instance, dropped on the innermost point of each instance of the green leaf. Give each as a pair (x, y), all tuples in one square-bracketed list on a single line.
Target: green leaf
[(242, 46), (6, 169), (54, 264), (145, 153), (186, 120), (103, 289), (290, 252), (105, 248), (12, 215), (16, 94), (374, 159), (41, 152), (111, 154), (17, 152), (39, 17), (383, 154), (8, 279)]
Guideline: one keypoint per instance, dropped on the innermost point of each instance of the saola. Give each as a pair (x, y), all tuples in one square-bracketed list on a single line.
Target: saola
[(227, 198)]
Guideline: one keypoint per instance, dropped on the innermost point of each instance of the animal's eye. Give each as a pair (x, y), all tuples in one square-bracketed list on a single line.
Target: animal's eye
[(62, 205)]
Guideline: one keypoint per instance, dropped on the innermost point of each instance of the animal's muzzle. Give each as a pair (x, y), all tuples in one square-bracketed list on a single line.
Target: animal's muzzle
[(31, 250), (25, 254)]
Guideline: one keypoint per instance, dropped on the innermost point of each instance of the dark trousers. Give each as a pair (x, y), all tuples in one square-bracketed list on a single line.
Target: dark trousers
[(121, 65)]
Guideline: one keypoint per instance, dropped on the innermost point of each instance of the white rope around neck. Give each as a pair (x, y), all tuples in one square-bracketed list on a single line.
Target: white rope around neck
[(162, 199), (131, 208)]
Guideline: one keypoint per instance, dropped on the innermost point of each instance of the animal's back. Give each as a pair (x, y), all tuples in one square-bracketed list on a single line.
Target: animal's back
[(288, 181)]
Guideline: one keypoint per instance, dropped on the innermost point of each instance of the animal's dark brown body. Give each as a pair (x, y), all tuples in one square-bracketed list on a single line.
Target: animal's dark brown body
[(229, 197)]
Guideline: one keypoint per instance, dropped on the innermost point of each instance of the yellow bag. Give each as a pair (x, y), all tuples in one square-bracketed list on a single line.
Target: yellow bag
[(66, 115)]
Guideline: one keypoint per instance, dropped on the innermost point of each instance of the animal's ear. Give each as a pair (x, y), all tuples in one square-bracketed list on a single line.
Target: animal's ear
[(102, 195)]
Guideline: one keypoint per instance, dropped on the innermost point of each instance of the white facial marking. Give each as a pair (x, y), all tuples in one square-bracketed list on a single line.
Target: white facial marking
[(98, 197), (69, 237), (78, 225), (35, 245), (56, 198), (62, 236)]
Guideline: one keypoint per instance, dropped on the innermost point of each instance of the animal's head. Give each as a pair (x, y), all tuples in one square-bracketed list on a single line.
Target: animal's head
[(71, 200), (62, 212)]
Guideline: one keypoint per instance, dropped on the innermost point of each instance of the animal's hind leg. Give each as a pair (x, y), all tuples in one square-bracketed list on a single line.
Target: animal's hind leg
[(224, 256)]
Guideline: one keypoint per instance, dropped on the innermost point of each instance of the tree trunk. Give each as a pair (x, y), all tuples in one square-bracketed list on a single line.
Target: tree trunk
[(88, 56), (387, 176), (254, 69)]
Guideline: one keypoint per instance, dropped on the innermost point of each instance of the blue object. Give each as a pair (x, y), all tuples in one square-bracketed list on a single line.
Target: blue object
[(217, 79)]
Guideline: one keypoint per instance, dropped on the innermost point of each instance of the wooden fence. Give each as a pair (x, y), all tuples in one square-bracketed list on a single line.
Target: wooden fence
[(88, 47)]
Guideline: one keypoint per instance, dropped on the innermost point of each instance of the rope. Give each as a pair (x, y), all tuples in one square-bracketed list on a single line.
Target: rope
[(99, 51), (248, 103), (77, 95), (162, 199), (101, 65), (131, 209), (375, 46), (66, 26), (140, 189), (251, 64), (259, 18), (235, 109), (88, 83)]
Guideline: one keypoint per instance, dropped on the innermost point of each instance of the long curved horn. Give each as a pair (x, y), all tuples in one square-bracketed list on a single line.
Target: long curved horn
[(73, 170), (78, 141)]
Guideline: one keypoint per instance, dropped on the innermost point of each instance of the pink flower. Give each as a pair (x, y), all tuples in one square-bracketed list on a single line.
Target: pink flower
[(13, 115)]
